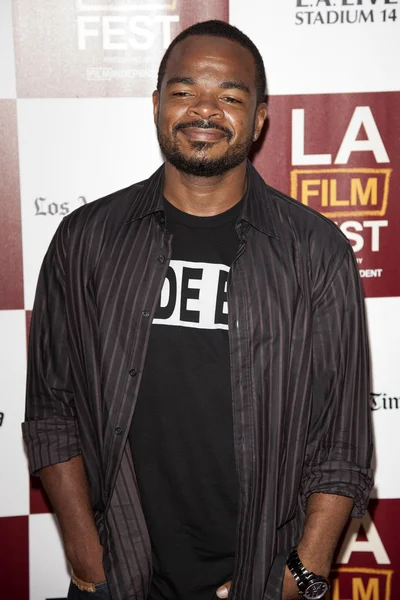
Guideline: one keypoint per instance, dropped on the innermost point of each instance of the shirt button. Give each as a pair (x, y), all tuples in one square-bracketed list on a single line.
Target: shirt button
[(161, 258), (133, 372), (145, 313), (118, 431), (162, 220)]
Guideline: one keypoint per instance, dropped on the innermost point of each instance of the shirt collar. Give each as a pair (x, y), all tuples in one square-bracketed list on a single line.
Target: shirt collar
[(149, 198), (259, 206)]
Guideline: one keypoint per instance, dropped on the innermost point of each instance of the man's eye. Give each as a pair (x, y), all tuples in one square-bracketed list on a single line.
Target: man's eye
[(181, 94), (232, 100)]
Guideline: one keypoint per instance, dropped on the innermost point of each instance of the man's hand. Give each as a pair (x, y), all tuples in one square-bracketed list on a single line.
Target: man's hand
[(290, 591), (223, 591), (326, 517)]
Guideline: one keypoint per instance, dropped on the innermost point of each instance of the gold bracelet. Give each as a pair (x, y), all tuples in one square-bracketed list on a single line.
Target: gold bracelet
[(84, 586)]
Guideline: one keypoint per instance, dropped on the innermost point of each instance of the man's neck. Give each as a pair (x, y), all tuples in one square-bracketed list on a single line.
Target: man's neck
[(204, 196)]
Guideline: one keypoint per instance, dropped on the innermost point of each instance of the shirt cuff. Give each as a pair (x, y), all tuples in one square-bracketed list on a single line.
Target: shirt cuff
[(335, 478), (50, 441)]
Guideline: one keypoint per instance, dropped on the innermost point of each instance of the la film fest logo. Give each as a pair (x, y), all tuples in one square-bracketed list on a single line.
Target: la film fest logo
[(124, 32), (361, 583), (339, 12), (358, 197)]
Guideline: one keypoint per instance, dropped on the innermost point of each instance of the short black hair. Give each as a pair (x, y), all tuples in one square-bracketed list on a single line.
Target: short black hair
[(225, 30)]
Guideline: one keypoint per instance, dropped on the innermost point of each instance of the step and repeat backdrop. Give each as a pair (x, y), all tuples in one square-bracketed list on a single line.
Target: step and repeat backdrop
[(76, 79)]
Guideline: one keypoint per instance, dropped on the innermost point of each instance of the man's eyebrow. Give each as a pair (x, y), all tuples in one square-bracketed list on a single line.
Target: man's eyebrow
[(226, 85), (234, 85), (181, 79)]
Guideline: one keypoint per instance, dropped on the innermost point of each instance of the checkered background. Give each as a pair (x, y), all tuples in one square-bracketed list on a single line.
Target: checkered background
[(76, 123)]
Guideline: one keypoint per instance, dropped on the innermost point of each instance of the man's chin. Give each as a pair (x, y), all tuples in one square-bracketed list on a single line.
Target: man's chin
[(204, 167), (204, 159)]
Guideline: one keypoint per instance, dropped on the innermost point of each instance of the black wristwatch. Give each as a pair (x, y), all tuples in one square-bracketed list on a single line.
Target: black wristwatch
[(311, 586)]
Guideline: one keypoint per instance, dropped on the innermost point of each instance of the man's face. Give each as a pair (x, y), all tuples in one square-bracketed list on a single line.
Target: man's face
[(206, 112)]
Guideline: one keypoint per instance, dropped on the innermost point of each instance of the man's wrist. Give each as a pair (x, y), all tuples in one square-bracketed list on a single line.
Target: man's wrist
[(87, 566), (290, 590), (84, 586), (88, 575), (315, 562), (310, 580)]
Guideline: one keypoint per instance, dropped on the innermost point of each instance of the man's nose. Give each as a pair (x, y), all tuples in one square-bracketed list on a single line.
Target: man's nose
[(205, 106)]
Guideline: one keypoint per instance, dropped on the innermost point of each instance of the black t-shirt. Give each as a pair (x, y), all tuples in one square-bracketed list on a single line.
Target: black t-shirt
[(182, 431)]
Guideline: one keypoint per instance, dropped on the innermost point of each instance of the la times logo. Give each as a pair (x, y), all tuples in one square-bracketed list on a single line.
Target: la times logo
[(47, 208), (125, 26), (383, 402)]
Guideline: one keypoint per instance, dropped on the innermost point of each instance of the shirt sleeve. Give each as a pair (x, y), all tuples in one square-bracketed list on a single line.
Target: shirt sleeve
[(50, 429), (339, 448)]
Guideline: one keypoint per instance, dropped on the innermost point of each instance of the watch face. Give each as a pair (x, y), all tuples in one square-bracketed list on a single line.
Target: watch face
[(316, 590)]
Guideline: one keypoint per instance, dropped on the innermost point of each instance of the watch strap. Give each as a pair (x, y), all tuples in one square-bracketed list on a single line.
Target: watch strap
[(301, 575)]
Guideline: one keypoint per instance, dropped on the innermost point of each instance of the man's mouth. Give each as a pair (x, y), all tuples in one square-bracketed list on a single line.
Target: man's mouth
[(203, 131), (198, 134)]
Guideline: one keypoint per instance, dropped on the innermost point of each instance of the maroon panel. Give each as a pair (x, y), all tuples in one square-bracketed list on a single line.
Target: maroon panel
[(98, 48), (360, 191), (368, 575), (14, 558), (11, 286)]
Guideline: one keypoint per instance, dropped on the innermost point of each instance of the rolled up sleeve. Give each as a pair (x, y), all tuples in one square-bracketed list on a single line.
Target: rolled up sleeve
[(50, 429), (339, 449)]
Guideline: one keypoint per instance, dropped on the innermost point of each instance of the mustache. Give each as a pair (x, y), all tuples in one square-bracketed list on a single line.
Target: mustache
[(202, 125)]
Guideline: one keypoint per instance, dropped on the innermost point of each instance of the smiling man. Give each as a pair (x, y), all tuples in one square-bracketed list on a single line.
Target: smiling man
[(197, 397)]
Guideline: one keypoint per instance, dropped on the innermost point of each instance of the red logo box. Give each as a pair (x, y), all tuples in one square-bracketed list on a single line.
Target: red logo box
[(340, 154)]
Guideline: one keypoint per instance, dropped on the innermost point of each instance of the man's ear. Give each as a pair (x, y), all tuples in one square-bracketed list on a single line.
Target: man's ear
[(156, 103), (261, 115)]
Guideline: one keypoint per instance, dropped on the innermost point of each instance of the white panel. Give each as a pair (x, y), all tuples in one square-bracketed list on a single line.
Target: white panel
[(383, 323), (74, 148), (323, 58), (14, 477), (48, 568), (7, 62)]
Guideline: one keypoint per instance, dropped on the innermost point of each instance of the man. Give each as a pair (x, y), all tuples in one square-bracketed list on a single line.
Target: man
[(197, 401)]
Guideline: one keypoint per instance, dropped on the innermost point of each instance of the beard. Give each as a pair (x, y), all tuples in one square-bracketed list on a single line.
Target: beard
[(199, 163)]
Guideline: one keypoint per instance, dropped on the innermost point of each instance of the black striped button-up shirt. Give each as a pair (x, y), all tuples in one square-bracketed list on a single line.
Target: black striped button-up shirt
[(299, 371)]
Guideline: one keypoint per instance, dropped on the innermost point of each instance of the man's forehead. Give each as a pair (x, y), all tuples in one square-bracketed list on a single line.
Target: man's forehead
[(202, 53)]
